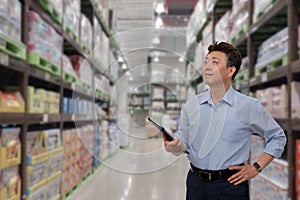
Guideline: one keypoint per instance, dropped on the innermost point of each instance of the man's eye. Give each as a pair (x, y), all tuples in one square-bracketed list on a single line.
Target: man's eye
[(215, 62)]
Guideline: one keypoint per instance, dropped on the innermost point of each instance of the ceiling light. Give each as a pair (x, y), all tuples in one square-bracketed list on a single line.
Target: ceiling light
[(156, 40), (156, 59), (158, 22), (120, 59), (181, 59), (160, 8), (124, 66)]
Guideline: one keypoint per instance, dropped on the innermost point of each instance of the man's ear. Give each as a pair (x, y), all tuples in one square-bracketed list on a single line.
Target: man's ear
[(231, 71)]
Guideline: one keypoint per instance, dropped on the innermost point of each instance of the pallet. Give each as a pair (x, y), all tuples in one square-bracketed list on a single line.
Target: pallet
[(71, 191), (243, 30), (46, 6), (68, 77), (263, 12), (41, 63), (70, 32), (12, 47), (272, 65)]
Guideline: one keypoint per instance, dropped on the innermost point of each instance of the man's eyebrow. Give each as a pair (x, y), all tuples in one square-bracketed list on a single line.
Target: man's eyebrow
[(217, 58)]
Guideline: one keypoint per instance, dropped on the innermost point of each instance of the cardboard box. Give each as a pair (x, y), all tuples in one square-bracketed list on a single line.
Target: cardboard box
[(10, 147), (295, 87), (11, 102)]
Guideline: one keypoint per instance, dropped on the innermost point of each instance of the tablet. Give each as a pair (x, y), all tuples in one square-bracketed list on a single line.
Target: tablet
[(164, 131)]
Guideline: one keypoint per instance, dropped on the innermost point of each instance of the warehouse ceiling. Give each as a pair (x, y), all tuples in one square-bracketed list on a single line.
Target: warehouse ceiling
[(140, 27)]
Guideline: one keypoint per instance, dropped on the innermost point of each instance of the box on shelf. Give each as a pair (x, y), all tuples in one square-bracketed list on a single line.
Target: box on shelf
[(10, 183), (86, 31), (52, 139), (36, 150), (10, 148), (36, 174), (279, 102), (297, 160), (295, 90), (11, 102), (54, 186)]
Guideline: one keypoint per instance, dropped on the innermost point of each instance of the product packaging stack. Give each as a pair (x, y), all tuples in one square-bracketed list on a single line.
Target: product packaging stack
[(43, 164), (97, 50), (239, 18), (11, 102), (42, 101), (86, 33), (83, 70), (260, 7), (69, 73), (71, 18), (272, 182), (297, 153), (274, 99), (223, 28), (295, 87), (86, 136), (10, 17), (10, 156), (43, 41), (272, 49)]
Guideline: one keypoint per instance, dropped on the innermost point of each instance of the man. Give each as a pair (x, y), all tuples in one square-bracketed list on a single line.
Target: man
[(215, 128)]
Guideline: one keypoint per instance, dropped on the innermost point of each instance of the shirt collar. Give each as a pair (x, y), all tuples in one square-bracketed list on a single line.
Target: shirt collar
[(228, 97)]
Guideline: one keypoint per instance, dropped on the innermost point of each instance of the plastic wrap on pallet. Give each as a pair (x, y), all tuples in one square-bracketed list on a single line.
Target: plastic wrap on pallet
[(207, 35), (239, 18), (196, 21), (104, 85), (223, 27), (295, 90), (58, 6), (14, 19), (273, 48), (43, 39), (97, 39), (71, 15), (86, 32), (209, 5), (3, 16), (10, 18), (67, 66), (86, 72), (260, 6)]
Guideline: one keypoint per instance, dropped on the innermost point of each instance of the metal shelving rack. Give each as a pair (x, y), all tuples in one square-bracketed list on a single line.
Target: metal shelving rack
[(284, 13), (25, 74)]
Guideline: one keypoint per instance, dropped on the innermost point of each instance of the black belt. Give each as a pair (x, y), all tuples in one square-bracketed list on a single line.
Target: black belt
[(212, 175)]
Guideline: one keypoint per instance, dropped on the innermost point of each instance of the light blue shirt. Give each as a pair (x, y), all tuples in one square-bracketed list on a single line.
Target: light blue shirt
[(218, 136)]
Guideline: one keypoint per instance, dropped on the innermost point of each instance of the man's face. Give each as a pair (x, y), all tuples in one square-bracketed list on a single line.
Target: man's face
[(215, 70)]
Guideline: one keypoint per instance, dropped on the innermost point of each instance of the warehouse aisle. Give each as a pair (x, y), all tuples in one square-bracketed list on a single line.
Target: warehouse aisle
[(141, 171)]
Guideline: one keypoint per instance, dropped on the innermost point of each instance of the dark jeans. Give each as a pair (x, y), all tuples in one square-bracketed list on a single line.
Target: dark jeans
[(215, 190)]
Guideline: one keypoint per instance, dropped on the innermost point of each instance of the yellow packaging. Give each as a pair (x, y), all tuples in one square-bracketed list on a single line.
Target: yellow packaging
[(12, 102), (10, 147)]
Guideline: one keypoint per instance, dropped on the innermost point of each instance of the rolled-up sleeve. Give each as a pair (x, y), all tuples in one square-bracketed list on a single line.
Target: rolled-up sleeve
[(263, 124)]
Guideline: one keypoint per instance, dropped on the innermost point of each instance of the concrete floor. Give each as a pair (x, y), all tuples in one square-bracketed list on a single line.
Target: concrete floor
[(143, 171)]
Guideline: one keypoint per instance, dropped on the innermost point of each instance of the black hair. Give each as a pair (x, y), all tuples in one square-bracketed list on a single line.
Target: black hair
[(234, 57)]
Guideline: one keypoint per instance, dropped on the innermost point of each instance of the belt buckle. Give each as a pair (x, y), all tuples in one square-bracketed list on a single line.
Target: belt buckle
[(208, 176)]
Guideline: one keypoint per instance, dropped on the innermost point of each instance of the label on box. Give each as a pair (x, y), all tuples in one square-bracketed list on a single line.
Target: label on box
[(47, 77), (264, 77), (4, 59), (45, 117)]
